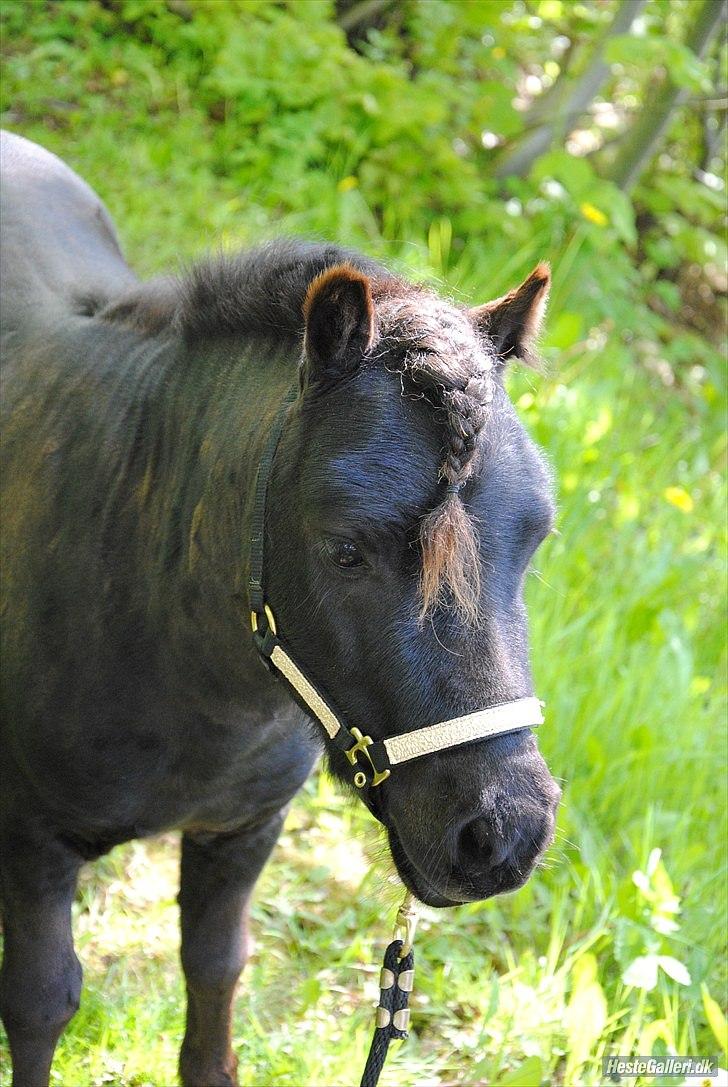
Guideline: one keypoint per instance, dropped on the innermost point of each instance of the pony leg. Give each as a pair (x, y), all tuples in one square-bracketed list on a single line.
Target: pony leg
[(217, 877), (40, 980)]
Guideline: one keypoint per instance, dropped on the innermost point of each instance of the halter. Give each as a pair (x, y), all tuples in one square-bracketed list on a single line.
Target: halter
[(373, 761)]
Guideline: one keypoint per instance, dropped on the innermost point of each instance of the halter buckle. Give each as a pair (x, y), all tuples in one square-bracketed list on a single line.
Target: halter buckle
[(265, 636), (362, 745), (269, 616)]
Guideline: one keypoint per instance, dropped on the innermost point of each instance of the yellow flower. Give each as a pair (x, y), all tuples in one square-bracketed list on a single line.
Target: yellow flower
[(498, 52), (679, 498), (347, 184), (594, 215)]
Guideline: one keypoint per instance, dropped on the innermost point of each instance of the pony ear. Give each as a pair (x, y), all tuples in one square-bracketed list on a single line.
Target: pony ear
[(513, 321), (339, 315)]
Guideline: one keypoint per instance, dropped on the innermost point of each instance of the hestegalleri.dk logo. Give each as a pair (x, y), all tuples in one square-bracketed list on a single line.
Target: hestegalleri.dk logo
[(619, 1066)]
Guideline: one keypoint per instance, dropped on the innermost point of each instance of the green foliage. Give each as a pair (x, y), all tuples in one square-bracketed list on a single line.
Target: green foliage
[(647, 53), (202, 122)]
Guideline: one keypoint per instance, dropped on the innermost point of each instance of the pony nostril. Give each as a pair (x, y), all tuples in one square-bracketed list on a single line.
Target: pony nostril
[(480, 843), (484, 844), (475, 837)]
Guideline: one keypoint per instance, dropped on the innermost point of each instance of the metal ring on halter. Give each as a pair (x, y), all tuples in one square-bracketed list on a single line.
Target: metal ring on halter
[(269, 617)]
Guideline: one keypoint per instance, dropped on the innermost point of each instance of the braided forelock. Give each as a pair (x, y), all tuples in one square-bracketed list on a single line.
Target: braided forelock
[(443, 359)]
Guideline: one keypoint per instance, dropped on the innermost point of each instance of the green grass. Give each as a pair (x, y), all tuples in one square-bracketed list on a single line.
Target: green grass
[(627, 614)]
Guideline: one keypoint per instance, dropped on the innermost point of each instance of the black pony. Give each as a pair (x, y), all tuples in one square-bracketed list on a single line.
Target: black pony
[(404, 504)]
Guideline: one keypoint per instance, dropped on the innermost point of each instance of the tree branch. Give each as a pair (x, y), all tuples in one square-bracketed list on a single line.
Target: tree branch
[(360, 13), (583, 93), (641, 141)]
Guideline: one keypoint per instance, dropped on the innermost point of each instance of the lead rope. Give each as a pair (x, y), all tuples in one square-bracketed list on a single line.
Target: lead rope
[(395, 985)]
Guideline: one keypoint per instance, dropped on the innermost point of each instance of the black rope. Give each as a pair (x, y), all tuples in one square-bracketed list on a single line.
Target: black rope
[(393, 1010)]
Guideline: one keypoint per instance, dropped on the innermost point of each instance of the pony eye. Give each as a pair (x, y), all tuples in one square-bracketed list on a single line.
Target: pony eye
[(345, 554)]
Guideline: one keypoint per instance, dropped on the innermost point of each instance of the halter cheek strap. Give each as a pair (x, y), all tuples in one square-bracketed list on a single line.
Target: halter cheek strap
[(373, 760)]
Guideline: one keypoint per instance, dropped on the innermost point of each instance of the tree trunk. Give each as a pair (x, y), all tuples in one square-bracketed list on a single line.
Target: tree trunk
[(642, 139), (576, 99)]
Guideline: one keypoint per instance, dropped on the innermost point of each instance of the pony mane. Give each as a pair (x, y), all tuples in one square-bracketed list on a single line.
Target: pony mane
[(258, 292), (443, 360)]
